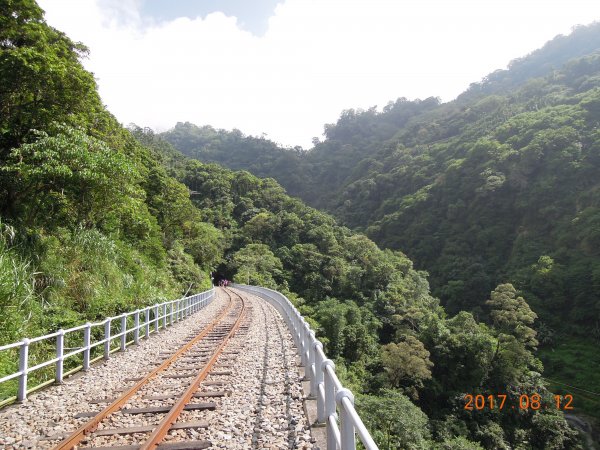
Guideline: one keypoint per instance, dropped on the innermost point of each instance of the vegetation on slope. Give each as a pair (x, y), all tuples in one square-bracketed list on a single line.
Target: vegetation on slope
[(390, 338), (91, 224), (500, 185)]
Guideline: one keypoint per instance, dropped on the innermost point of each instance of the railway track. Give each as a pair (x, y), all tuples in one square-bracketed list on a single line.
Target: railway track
[(251, 398), (162, 400)]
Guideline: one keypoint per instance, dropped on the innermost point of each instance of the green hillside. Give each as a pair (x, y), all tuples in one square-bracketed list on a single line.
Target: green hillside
[(500, 185)]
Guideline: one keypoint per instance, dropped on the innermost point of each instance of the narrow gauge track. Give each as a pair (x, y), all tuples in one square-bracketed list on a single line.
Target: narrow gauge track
[(202, 351)]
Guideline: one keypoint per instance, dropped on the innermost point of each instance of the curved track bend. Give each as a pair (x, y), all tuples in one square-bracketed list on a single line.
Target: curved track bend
[(225, 378)]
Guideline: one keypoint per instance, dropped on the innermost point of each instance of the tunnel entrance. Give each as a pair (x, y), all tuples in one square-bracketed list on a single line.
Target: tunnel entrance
[(220, 275)]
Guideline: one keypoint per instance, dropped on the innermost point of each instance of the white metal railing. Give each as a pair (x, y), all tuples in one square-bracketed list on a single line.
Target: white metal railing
[(110, 329), (325, 386)]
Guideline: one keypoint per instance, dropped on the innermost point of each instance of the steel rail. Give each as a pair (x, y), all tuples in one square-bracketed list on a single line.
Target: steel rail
[(78, 435), (165, 424)]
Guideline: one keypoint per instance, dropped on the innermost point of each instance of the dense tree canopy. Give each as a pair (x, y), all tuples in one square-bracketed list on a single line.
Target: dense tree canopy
[(498, 186)]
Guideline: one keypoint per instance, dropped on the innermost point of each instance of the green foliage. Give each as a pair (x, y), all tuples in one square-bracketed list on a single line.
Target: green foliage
[(407, 364), (511, 315), (549, 431), (256, 264), (185, 270), (95, 276), (69, 178), (394, 421), (462, 350), (31, 51), (237, 151), (457, 443), (347, 330), (577, 361), (18, 299)]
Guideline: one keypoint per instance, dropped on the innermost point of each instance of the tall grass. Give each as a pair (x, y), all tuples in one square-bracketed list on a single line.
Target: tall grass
[(79, 275), (19, 302)]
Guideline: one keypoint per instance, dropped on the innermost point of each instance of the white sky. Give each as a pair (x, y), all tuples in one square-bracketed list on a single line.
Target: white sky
[(317, 57)]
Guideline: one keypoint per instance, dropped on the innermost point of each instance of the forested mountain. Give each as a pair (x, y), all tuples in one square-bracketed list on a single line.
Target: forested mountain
[(237, 151), (390, 338), (97, 219), (499, 185)]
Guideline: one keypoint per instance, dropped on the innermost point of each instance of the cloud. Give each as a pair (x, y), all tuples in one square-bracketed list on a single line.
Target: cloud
[(317, 57)]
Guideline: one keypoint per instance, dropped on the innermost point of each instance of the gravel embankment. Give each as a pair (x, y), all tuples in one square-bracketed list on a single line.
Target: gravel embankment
[(263, 409)]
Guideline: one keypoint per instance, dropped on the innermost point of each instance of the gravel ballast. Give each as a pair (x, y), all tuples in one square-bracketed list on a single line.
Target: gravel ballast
[(262, 406)]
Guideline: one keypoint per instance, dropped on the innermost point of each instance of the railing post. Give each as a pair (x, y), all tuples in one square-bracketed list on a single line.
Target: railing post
[(172, 311), (147, 321), (165, 316), (136, 327), (329, 392), (23, 367), (60, 352), (298, 331), (347, 437), (317, 360), (123, 332), (311, 368), (107, 339), (156, 324), (305, 348), (295, 334), (87, 336)]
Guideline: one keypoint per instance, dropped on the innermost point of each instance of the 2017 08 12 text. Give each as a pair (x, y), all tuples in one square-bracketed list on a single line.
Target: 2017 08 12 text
[(524, 401)]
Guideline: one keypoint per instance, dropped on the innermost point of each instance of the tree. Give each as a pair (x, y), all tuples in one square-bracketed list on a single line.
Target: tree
[(347, 330), (511, 315), (462, 351), (407, 364), (551, 431), (513, 360), (394, 421), (69, 178), (256, 264), (42, 78)]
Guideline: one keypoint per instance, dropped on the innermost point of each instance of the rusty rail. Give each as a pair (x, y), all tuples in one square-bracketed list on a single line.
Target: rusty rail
[(165, 424), (89, 427)]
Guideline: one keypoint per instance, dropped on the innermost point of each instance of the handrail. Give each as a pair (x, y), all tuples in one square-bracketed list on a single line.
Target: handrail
[(152, 317), (325, 386)]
